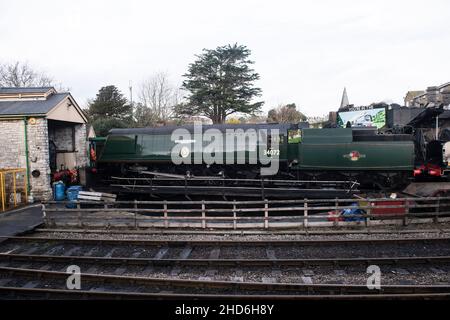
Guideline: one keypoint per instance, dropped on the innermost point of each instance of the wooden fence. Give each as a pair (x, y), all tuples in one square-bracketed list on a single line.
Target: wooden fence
[(266, 214)]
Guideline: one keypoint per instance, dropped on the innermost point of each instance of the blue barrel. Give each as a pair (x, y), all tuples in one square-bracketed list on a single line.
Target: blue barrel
[(59, 191), (72, 195)]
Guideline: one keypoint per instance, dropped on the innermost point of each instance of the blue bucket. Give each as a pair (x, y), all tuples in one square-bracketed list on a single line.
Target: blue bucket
[(72, 195), (59, 191)]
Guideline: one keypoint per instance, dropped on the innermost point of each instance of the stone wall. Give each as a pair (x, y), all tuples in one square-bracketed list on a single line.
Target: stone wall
[(61, 136), (13, 155), (81, 145), (38, 155), (12, 144)]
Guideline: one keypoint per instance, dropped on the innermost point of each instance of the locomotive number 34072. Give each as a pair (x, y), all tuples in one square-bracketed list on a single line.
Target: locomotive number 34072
[(272, 152)]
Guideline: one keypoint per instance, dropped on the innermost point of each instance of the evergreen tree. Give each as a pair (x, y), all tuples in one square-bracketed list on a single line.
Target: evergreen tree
[(108, 110), (110, 103), (220, 83)]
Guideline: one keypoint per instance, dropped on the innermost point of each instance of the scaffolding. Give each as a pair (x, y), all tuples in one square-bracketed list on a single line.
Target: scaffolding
[(13, 188)]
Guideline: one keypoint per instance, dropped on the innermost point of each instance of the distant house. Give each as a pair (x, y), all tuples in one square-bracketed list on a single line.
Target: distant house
[(410, 95), (434, 95), (43, 131), (197, 119)]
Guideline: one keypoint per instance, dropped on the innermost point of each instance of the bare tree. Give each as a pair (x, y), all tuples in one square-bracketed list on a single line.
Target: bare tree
[(159, 96), (19, 74), (285, 114)]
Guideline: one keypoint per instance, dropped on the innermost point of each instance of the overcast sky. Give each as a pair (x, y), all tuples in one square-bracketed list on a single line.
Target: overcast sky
[(304, 51)]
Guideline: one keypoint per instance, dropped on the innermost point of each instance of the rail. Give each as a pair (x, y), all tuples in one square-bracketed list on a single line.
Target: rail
[(301, 213)]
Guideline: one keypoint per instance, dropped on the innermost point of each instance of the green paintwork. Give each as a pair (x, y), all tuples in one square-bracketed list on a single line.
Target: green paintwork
[(389, 156), (319, 149), (157, 147), (334, 149)]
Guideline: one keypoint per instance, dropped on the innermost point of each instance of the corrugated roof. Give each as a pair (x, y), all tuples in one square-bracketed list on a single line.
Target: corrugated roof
[(13, 90), (29, 107)]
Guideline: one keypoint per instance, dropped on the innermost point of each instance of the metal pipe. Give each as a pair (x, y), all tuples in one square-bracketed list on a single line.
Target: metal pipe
[(26, 158), (2, 191), (437, 127)]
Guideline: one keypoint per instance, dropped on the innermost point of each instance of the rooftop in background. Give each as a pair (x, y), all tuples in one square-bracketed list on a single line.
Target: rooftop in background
[(31, 106), (433, 95), (39, 101), (32, 93), (15, 90)]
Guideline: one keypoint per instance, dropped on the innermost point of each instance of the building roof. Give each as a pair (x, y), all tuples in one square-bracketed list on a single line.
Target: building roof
[(30, 107), (14, 90), (412, 94)]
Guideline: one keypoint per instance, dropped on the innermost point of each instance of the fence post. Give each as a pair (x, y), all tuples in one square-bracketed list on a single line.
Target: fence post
[(44, 215), (266, 214), (405, 218), (203, 215), (234, 214), (166, 220), (368, 213), (80, 220), (336, 212), (135, 214), (305, 213)]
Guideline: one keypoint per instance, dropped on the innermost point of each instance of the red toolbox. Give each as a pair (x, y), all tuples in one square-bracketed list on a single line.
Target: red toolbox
[(380, 211)]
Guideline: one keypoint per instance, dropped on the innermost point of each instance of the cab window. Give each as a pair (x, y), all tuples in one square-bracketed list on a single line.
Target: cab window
[(294, 136)]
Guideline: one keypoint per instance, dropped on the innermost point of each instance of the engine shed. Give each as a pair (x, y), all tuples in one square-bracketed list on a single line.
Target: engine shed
[(42, 131)]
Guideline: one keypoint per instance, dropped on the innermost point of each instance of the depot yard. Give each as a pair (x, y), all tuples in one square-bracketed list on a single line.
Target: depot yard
[(257, 263)]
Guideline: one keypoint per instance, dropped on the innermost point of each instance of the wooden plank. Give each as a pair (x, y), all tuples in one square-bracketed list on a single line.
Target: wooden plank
[(96, 198), (215, 253), (83, 197), (97, 194), (4, 281), (31, 284), (161, 253), (270, 254), (185, 253)]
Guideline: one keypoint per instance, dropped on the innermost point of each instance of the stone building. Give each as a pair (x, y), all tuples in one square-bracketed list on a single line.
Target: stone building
[(43, 131), (434, 95)]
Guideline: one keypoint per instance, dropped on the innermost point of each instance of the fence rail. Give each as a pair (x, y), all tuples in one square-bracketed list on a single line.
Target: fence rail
[(301, 213)]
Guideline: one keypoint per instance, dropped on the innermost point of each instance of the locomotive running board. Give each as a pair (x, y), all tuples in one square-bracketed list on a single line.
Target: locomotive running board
[(156, 183)]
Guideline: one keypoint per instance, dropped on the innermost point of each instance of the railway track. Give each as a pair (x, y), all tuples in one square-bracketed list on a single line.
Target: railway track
[(35, 266), (275, 253), (45, 294), (224, 262), (54, 281)]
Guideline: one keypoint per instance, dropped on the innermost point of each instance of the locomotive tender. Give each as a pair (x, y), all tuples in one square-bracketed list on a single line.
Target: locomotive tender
[(361, 154)]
